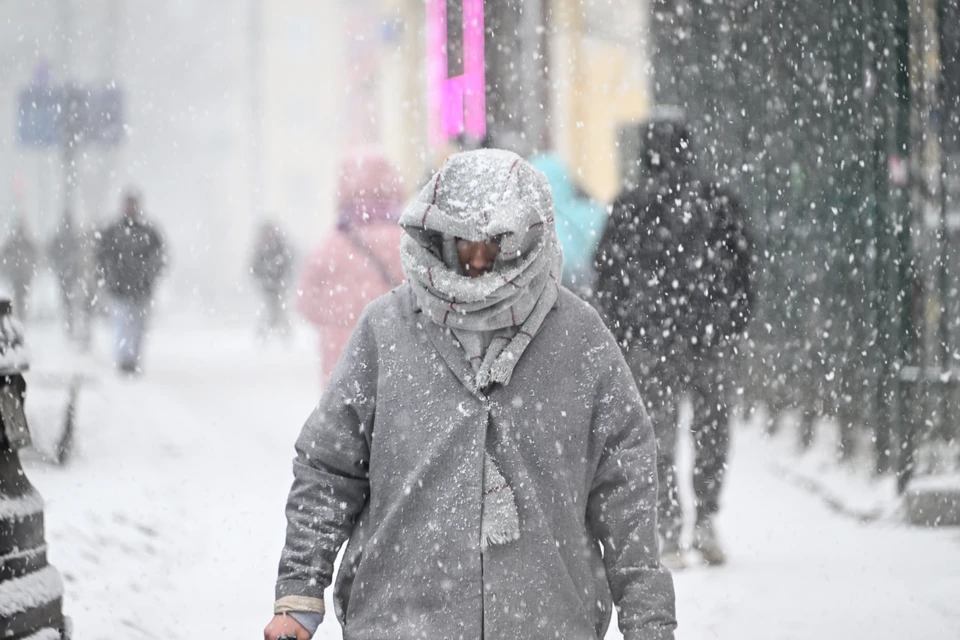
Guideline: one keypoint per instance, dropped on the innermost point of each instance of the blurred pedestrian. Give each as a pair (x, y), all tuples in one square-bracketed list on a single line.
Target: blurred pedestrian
[(580, 223), (360, 260), (18, 256), (272, 268), (63, 252), (482, 444), (131, 256), (674, 286)]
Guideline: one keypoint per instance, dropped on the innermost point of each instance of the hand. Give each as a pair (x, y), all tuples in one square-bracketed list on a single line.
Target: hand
[(284, 625)]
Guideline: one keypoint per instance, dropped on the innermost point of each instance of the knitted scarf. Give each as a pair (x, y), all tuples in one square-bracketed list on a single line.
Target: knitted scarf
[(479, 195), (476, 196)]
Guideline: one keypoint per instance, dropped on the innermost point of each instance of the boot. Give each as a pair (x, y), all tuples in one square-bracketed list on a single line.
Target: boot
[(671, 555), (705, 541)]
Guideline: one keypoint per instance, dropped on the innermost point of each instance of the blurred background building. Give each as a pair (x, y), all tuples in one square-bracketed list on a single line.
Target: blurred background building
[(233, 109), (837, 121)]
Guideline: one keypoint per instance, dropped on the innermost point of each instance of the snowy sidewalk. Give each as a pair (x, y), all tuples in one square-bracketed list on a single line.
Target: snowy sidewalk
[(169, 521), (799, 570)]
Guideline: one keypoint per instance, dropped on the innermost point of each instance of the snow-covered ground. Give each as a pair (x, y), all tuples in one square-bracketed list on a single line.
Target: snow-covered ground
[(168, 521), (850, 487)]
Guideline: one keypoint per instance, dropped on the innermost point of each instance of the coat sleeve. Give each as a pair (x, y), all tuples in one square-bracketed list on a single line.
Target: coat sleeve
[(741, 247), (622, 509), (104, 243), (330, 483), (626, 258), (609, 263), (160, 257)]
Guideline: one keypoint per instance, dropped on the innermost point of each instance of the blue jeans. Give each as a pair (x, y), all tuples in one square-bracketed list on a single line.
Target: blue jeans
[(129, 322)]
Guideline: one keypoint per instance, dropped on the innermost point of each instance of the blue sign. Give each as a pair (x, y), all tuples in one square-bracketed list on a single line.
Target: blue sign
[(47, 115), (39, 117)]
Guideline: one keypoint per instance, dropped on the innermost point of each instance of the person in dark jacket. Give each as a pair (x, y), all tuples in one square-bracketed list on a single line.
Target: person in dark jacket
[(64, 253), (18, 258), (673, 284), (130, 257), (272, 268)]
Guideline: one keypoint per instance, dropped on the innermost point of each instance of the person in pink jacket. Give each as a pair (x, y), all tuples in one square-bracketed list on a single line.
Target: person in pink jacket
[(360, 260)]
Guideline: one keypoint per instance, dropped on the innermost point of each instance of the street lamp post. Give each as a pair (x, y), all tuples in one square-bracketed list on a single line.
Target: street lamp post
[(31, 591)]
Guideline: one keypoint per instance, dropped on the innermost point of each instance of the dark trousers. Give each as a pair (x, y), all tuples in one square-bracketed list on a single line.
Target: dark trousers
[(664, 380), (68, 307), (273, 314)]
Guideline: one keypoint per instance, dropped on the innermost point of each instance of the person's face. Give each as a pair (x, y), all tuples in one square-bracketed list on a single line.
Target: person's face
[(131, 207), (477, 258)]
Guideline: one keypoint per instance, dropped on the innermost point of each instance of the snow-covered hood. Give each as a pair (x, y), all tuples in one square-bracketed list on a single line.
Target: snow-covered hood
[(479, 195), (369, 190)]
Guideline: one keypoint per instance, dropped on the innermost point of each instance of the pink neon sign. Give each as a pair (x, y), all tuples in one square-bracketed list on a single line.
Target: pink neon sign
[(456, 105)]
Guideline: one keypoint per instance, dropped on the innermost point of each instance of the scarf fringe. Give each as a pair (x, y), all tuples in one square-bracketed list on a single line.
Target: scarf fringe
[(500, 519)]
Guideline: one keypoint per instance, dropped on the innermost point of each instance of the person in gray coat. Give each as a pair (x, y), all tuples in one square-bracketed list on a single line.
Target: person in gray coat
[(18, 262), (64, 252), (481, 448)]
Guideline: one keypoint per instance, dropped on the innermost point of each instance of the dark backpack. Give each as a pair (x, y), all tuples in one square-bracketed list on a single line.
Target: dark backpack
[(676, 270)]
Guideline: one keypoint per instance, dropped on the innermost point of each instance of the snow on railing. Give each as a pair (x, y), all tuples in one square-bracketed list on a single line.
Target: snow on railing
[(45, 634), (14, 356), (32, 591), (20, 554), (21, 507)]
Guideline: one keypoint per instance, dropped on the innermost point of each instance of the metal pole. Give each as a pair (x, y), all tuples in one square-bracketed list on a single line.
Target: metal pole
[(532, 119), (943, 280), (578, 147), (907, 98), (503, 50), (110, 57), (925, 181), (27, 612), (515, 68), (883, 134), (255, 79), (67, 139)]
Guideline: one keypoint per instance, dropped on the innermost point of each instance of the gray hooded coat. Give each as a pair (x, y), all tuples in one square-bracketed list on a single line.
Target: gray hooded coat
[(392, 460)]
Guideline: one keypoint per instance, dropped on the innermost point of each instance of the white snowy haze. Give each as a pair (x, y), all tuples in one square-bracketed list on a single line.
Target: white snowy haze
[(164, 516), (212, 90)]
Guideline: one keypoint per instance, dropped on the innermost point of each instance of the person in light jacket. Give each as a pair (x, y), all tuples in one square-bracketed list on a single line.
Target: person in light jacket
[(360, 260), (580, 224), (481, 448)]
